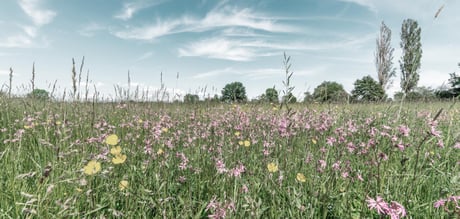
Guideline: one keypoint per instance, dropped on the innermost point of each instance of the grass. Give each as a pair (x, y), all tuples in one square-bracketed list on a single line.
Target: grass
[(193, 161)]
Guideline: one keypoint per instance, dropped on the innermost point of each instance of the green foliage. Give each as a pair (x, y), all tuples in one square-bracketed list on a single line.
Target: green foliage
[(290, 98), (191, 98), (384, 57), (308, 97), (234, 92), (270, 95), (411, 55), (39, 94), (418, 94), (330, 91), (367, 89)]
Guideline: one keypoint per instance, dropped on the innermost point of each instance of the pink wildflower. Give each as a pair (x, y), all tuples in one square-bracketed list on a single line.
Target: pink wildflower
[(378, 204)]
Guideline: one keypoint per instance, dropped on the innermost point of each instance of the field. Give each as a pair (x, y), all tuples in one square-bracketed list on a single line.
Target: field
[(154, 160)]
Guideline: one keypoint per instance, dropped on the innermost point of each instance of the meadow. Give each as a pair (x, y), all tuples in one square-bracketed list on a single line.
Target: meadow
[(162, 160)]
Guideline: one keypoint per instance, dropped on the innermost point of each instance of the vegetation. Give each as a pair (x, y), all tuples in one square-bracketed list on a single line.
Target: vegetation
[(39, 94), (270, 96), (234, 92), (384, 57), (330, 91), (367, 90), (411, 55), (191, 98)]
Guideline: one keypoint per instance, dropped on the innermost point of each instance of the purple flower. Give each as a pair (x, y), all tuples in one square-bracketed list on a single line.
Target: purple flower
[(378, 204)]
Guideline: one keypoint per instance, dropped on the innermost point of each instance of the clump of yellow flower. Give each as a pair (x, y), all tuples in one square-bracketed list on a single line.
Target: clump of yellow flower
[(160, 151), (247, 143), (115, 150), (164, 130), (92, 167), (301, 178), (272, 167), (237, 134), (111, 140), (123, 185), (119, 159)]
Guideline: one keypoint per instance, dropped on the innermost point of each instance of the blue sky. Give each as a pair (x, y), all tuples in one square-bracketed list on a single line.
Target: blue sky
[(200, 44)]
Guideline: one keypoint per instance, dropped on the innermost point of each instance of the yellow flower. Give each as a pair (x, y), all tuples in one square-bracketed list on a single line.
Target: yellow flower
[(58, 122), (112, 140), (123, 185), (272, 167), (301, 178), (115, 150), (240, 143), (160, 151), (247, 143), (313, 141), (119, 159), (237, 134), (92, 167), (27, 127), (164, 129), (79, 190)]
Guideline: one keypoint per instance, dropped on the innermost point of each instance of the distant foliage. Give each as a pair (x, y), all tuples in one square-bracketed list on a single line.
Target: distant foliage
[(191, 98), (234, 92), (411, 55), (39, 94), (308, 97), (367, 90), (418, 94), (330, 91), (384, 57), (289, 98), (270, 95)]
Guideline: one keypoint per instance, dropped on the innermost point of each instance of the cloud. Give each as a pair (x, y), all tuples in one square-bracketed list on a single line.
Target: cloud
[(216, 18), (130, 8), (364, 3), (4, 72), (90, 29), (39, 16), (145, 56), (17, 41), (219, 48)]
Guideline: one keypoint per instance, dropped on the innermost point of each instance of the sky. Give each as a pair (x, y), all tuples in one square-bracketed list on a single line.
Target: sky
[(199, 46)]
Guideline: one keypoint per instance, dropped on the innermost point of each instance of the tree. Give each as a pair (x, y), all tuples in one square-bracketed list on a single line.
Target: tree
[(234, 92), (191, 98), (367, 89), (384, 57), (289, 98), (270, 95), (411, 55), (330, 92), (454, 82), (308, 97), (39, 94)]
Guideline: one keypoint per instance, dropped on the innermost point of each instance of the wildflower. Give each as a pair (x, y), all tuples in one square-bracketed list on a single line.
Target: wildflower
[(240, 143), (396, 210), (247, 143), (439, 203), (313, 141), (272, 167), (123, 185), (119, 159), (160, 151), (115, 150), (404, 130), (164, 130), (301, 178), (378, 204), (111, 140), (237, 134), (92, 167)]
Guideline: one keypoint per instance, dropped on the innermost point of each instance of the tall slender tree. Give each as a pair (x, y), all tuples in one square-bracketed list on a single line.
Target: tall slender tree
[(411, 55), (384, 57)]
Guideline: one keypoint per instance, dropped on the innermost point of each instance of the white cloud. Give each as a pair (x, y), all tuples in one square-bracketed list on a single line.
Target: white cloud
[(145, 56), (17, 41), (217, 18), (365, 3), (90, 29), (219, 48), (130, 8), (38, 15), (4, 72)]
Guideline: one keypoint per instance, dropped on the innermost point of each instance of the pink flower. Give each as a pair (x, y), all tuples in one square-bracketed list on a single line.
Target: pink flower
[(378, 204), (439, 203), (404, 130), (396, 210)]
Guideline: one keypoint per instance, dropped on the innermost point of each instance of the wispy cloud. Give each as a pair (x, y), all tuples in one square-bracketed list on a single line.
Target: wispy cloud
[(365, 3), (17, 41), (130, 8), (90, 30), (217, 18), (38, 15), (144, 56), (219, 48)]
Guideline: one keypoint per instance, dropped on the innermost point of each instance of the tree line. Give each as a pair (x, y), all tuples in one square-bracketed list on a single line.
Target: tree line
[(366, 89)]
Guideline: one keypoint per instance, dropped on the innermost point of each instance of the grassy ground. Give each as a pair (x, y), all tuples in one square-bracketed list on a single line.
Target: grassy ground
[(62, 160)]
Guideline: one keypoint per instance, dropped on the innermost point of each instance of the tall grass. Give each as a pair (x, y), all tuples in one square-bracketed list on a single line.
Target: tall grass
[(196, 161)]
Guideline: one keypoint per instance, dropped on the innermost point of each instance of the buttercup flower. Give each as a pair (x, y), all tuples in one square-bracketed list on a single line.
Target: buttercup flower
[(115, 150), (123, 185), (301, 178), (247, 143), (119, 159), (272, 167), (111, 140), (92, 167)]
